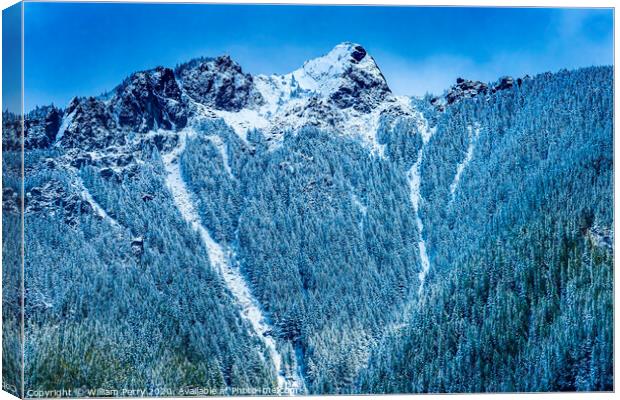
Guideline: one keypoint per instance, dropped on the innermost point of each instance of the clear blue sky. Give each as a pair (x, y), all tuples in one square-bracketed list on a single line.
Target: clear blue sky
[(86, 49), (11, 58)]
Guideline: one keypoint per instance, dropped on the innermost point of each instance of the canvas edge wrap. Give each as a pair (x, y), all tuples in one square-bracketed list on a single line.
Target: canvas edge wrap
[(13, 201)]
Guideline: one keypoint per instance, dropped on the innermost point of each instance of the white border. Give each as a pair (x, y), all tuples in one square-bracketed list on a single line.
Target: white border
[(472, 3)]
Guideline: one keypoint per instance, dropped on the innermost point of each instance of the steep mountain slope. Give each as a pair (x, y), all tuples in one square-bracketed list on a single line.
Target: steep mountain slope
[(120, 292), (525, 302), (314, 233)]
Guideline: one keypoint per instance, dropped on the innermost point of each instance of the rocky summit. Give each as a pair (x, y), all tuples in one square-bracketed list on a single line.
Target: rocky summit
[(466, 89), (218, 83), (344, 90)]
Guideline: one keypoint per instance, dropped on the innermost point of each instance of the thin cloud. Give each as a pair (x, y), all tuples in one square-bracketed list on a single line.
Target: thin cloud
[(575, 46)]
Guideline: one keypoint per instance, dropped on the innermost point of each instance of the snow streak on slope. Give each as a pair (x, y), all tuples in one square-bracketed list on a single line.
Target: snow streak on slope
[(85, 194), (98, 209), (242, 121), (66, 122), (415, 196), (473, 136), (221, 260)]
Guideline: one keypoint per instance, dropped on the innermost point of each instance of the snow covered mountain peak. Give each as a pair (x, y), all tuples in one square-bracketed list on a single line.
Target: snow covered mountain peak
[(325, 75), (342, 91)]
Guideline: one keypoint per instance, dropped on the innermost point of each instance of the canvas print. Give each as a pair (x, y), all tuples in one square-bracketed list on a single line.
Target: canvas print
[(247, 200)]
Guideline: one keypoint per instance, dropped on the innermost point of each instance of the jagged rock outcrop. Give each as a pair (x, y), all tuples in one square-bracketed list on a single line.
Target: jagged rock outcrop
[(145, 101), (219, 83), (52, 197), (466, 89), (89, 123), (150, 100), (505, 82), (362, 85), (342, 91), (41, 127)]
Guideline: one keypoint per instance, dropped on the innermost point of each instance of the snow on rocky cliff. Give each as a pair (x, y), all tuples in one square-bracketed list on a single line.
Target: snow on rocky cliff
[(343, 91)]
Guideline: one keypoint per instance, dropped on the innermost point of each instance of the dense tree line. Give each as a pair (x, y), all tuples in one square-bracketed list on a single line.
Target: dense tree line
[(101, 314), (324, 233), (521, 296)]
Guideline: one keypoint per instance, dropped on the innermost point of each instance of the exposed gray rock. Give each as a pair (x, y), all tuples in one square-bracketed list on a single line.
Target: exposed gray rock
[(362, 85), (149, 100), (467, 89), (162, 141), (41, 127), (360, 90), (358, 53), (108, 174), (91, 125), (52, 198), (219, 83), (137, 245), (505, 82), (602, 237), (81, 160)]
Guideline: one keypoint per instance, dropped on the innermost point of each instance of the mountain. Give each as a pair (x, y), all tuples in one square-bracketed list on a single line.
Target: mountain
[(343, 90), (199, 227)]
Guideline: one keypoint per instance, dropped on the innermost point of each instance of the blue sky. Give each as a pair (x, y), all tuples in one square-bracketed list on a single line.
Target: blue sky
[(86, 49), (11, 56)]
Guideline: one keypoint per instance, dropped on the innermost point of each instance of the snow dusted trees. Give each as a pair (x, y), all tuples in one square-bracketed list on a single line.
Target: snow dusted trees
[(159, 319), (520, 297), (324, 236)]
